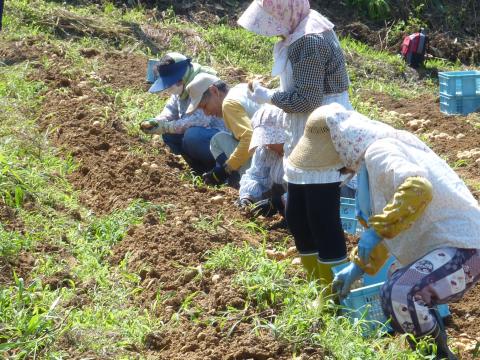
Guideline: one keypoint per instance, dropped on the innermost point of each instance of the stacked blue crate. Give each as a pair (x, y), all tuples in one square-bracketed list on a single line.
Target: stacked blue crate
[(459, 92), (347, 216)]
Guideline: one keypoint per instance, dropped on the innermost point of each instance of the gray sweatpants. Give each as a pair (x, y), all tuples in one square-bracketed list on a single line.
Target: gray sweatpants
[(224, 143)]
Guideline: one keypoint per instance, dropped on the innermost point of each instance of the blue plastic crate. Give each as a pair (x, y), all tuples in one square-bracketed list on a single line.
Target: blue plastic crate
[(459, 105), (347, 208), (150, 74), (348, 218), (364, 302), (350, 225), (459, 83)]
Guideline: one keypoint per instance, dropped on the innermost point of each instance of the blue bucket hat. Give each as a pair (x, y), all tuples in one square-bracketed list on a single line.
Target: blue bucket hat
[(169, 75)]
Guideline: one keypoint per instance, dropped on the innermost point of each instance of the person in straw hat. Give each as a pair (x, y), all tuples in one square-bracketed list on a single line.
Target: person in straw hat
[(185, 134), (262, 186), (413, 206), (311, 66)]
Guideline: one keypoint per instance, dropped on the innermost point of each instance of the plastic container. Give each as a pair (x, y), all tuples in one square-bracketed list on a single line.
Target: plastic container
[(347, 208), (347, 216), (350, 225), (150, 66), (459, 83), (459, 105), (364, 302)]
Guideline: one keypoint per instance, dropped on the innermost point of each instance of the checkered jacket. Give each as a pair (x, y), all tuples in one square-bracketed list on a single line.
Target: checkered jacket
[(319, 69)]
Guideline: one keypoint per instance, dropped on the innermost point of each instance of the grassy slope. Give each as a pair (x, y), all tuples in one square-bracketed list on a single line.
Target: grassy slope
[(38, 319)]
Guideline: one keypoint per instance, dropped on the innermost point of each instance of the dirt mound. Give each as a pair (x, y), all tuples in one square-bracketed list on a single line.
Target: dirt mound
[(124, 70), (14, 52), (167, 254), (466, 136), (21, 265), (201, 342), (466, 315), (9, 219)]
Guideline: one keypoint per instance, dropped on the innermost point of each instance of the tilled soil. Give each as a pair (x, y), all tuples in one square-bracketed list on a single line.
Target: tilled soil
[(167, 254), (428, 108)]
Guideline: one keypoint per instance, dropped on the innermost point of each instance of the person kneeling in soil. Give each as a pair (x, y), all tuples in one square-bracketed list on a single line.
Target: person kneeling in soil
[(185, 134), (262, 186), (414, 207), (230, 150)]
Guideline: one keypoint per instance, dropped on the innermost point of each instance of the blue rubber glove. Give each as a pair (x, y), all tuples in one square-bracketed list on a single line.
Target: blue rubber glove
[(368, 240), (344, 279)]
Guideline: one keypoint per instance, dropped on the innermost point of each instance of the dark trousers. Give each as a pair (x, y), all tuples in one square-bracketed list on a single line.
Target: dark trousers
[(313, 217), (194, 146)]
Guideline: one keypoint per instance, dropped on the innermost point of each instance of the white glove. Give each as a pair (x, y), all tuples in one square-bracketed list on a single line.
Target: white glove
[(260, 94)]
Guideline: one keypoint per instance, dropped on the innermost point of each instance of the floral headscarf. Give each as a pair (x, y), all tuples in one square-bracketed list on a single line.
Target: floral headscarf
[(289, 18), (352, 133), (267, 127)]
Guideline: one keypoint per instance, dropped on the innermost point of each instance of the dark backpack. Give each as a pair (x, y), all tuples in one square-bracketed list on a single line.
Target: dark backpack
[(413, 49)]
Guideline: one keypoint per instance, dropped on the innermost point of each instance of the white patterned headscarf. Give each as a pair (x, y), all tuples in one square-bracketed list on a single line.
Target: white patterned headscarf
[(267, 127), (291, 19), (352, 133)]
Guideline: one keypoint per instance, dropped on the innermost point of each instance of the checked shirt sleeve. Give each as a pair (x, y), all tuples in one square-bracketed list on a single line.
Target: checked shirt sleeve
[(318, 68)]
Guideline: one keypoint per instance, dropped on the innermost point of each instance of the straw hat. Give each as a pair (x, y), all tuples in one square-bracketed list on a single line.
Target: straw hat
[(315, 150)]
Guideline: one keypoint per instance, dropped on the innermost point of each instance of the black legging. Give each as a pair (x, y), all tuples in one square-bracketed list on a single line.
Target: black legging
[(313, 217), (1, 13)]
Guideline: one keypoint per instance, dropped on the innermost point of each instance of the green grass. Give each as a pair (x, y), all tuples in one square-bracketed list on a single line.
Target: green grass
[(294, 312), (37, 320), (209, 223)]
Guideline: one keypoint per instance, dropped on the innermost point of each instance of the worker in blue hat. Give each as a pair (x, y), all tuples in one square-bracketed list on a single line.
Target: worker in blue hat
[(185, 134)]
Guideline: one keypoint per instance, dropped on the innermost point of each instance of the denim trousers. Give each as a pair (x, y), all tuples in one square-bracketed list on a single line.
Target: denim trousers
[(194, 146)]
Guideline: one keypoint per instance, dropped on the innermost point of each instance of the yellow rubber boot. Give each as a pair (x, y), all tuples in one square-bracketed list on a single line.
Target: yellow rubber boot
[(325, 274), (310, 264)]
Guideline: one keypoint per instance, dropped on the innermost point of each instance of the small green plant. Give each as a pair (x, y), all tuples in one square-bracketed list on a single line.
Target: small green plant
[(190, 176), (29, 319), (210, 224), (190, 308), (460, 163)]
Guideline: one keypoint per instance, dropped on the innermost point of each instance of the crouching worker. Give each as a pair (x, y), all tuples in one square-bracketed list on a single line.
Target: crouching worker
[(414, 207), (262, 186), (230, 150), (188, 135)]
